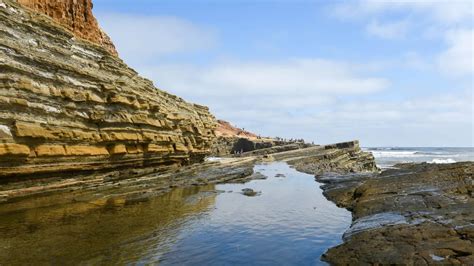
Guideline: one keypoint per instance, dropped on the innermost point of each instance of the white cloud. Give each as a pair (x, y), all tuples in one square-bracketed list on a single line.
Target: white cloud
[(318, 99), (390, 30), (446, 12), (458, 59), (259, 94), (445, 119), (139, 37), (296, 76), (450, 21), (321, 100)]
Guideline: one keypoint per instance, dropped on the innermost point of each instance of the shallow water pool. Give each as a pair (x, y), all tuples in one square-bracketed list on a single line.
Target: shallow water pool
[(289, 222)]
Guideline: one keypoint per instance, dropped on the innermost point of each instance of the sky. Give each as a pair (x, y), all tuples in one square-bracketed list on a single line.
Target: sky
[(394, 73)]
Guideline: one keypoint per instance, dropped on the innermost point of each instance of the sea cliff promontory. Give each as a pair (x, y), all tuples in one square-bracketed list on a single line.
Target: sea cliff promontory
[(68, 104)]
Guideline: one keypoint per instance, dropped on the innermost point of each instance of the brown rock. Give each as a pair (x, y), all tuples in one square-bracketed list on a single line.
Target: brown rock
[(33, 130), (68, 97), (76, 16), (118, 149), (50, 150), (86, 151), (12, 149)]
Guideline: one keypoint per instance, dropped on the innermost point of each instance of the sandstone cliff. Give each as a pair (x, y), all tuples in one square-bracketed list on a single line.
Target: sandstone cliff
[(225, 129), (231, 140), (75, 15), (69, 105)]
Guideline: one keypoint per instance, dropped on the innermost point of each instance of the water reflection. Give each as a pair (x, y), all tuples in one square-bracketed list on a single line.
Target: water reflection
[(290, 222), (98, 233)]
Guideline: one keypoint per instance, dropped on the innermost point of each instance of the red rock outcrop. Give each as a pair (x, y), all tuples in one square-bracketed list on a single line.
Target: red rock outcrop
[(76, 16), (225, 129)]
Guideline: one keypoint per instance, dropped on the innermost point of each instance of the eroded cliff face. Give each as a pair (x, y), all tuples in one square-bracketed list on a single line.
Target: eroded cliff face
[(76, 16), (232, 140), (67, 105)]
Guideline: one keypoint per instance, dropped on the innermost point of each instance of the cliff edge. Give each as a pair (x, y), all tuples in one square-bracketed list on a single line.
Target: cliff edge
[(76, 16), (69, 105)]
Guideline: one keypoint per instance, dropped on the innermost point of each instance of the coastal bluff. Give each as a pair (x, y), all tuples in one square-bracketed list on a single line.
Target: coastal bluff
[(68, 104), (76, 16)]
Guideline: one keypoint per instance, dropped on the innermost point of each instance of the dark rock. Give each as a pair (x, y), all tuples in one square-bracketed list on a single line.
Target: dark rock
[(417, 214), (250, 192), (346, 157)]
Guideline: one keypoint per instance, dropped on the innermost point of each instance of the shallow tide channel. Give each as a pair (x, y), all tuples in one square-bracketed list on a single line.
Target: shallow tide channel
[(289, 222)]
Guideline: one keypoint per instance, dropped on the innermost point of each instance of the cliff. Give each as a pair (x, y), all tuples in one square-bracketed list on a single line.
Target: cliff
[(76, 16), (69, 105), (232, 140), (225, 129)]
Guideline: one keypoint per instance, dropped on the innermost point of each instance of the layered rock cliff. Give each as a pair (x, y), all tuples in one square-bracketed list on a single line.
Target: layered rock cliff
[(69, 105), (76, 16), (225, 129), (233, 140)]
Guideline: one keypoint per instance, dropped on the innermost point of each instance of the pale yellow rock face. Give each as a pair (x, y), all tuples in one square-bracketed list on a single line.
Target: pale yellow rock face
[(69, 105)]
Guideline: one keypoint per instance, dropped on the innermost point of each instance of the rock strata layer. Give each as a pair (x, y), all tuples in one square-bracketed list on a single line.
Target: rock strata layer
[(345, 157), (76, 16), (224, 146), (69, 106), (418, 214), (146, 182)]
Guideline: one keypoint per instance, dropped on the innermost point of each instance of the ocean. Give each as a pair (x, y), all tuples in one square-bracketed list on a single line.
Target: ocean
[(386, 157)]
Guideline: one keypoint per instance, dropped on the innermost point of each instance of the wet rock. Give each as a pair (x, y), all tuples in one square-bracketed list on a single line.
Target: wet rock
[(267, 158), (417, 214), (344, 157), (250, 192), (98, 187), (280, 175), (248, 178)]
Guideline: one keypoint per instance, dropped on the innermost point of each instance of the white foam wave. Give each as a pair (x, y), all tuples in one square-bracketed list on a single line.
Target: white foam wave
[(441, 161), (382, 154)]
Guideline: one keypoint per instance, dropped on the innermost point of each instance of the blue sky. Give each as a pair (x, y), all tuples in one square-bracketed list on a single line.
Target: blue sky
[(387, 73)]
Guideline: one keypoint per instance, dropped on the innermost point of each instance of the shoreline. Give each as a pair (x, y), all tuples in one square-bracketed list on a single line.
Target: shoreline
[(416, 214), (393, 208), (132, 183)]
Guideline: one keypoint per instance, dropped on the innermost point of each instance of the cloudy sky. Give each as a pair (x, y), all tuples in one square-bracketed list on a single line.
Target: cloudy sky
[(387, 73)]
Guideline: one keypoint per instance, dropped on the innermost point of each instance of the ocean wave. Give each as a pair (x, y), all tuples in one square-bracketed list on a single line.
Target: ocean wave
[(382, 154), (432, 153), (386, 149), (441, 161), (412, 154)]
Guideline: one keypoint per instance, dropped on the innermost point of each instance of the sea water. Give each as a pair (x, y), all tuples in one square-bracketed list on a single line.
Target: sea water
[(289, 222), (386, 157)]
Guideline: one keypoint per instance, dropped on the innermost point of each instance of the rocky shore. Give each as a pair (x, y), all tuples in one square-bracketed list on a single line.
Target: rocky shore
[(140, 184), (415, 214), (81, 131)]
